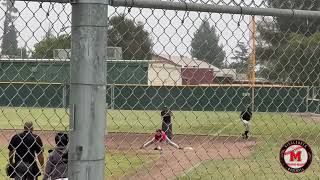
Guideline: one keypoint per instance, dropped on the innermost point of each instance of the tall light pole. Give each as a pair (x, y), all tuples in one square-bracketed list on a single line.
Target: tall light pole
[(252, 61)]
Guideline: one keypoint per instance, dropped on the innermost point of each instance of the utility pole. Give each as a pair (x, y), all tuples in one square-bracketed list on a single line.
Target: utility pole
[(88, 90)]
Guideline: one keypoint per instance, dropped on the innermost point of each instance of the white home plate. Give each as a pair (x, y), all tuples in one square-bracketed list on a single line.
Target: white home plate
[(188, 148)]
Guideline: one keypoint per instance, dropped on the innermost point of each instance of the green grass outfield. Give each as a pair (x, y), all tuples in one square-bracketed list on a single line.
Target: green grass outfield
[(273, 129), (224, 123)]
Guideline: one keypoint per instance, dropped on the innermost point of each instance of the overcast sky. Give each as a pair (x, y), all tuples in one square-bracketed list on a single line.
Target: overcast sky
[(170, 35)]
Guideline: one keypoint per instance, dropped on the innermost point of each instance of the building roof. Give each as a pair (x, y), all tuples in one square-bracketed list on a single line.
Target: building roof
[(188, 62)]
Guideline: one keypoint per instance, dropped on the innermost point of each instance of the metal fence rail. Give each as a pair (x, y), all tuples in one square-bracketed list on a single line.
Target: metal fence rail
[(215, 8)]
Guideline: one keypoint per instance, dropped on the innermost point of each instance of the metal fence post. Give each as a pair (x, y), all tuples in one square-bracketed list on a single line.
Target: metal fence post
[(88, 90)]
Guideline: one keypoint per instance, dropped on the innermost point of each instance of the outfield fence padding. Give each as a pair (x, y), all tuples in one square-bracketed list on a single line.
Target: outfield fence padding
[(178, 98)]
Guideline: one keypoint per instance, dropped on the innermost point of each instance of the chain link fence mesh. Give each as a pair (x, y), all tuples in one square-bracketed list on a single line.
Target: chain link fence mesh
[(34, 80), (204, 67)]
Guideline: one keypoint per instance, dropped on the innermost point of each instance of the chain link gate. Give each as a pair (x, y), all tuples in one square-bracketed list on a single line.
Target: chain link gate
[(206, 61)]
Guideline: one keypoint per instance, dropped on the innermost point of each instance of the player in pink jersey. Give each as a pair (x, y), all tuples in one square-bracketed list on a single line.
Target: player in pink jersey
[(160, 137)]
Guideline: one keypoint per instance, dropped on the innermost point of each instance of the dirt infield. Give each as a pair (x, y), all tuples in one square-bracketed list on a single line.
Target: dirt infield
[(172, 162)]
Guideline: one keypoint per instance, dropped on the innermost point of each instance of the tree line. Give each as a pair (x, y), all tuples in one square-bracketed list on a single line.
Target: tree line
[(135, 41), (288, 49)]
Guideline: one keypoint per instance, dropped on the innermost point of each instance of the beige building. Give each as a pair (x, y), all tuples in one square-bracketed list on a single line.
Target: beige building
[(162, 72), (176, 70)]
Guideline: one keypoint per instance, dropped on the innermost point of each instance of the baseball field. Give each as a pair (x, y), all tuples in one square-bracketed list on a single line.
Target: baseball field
[(218, 149)]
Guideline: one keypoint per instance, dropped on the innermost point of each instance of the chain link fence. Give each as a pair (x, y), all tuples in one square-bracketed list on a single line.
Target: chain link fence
[(34, 82), (188, 68)]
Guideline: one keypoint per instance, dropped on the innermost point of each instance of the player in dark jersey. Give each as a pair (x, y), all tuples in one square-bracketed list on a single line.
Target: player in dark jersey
[(245, 117), (166, 115), (160, 137)]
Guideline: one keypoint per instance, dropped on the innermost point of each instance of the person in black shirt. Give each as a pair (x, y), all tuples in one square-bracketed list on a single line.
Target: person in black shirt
[(166, 115), (24, 148), (245, 117)]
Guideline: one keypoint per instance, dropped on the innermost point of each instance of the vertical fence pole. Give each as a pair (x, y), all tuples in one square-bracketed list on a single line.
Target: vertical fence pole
[(88, 90), (112, 96)]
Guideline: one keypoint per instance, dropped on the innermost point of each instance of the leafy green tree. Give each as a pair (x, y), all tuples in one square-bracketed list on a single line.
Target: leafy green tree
[(131, 37), (297, 62), (44, 49), (205, 45), (9, 43), (241, 58), (297, 25)]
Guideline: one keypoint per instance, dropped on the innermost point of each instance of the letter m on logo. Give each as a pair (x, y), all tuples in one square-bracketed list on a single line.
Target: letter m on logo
[(295, 156)]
